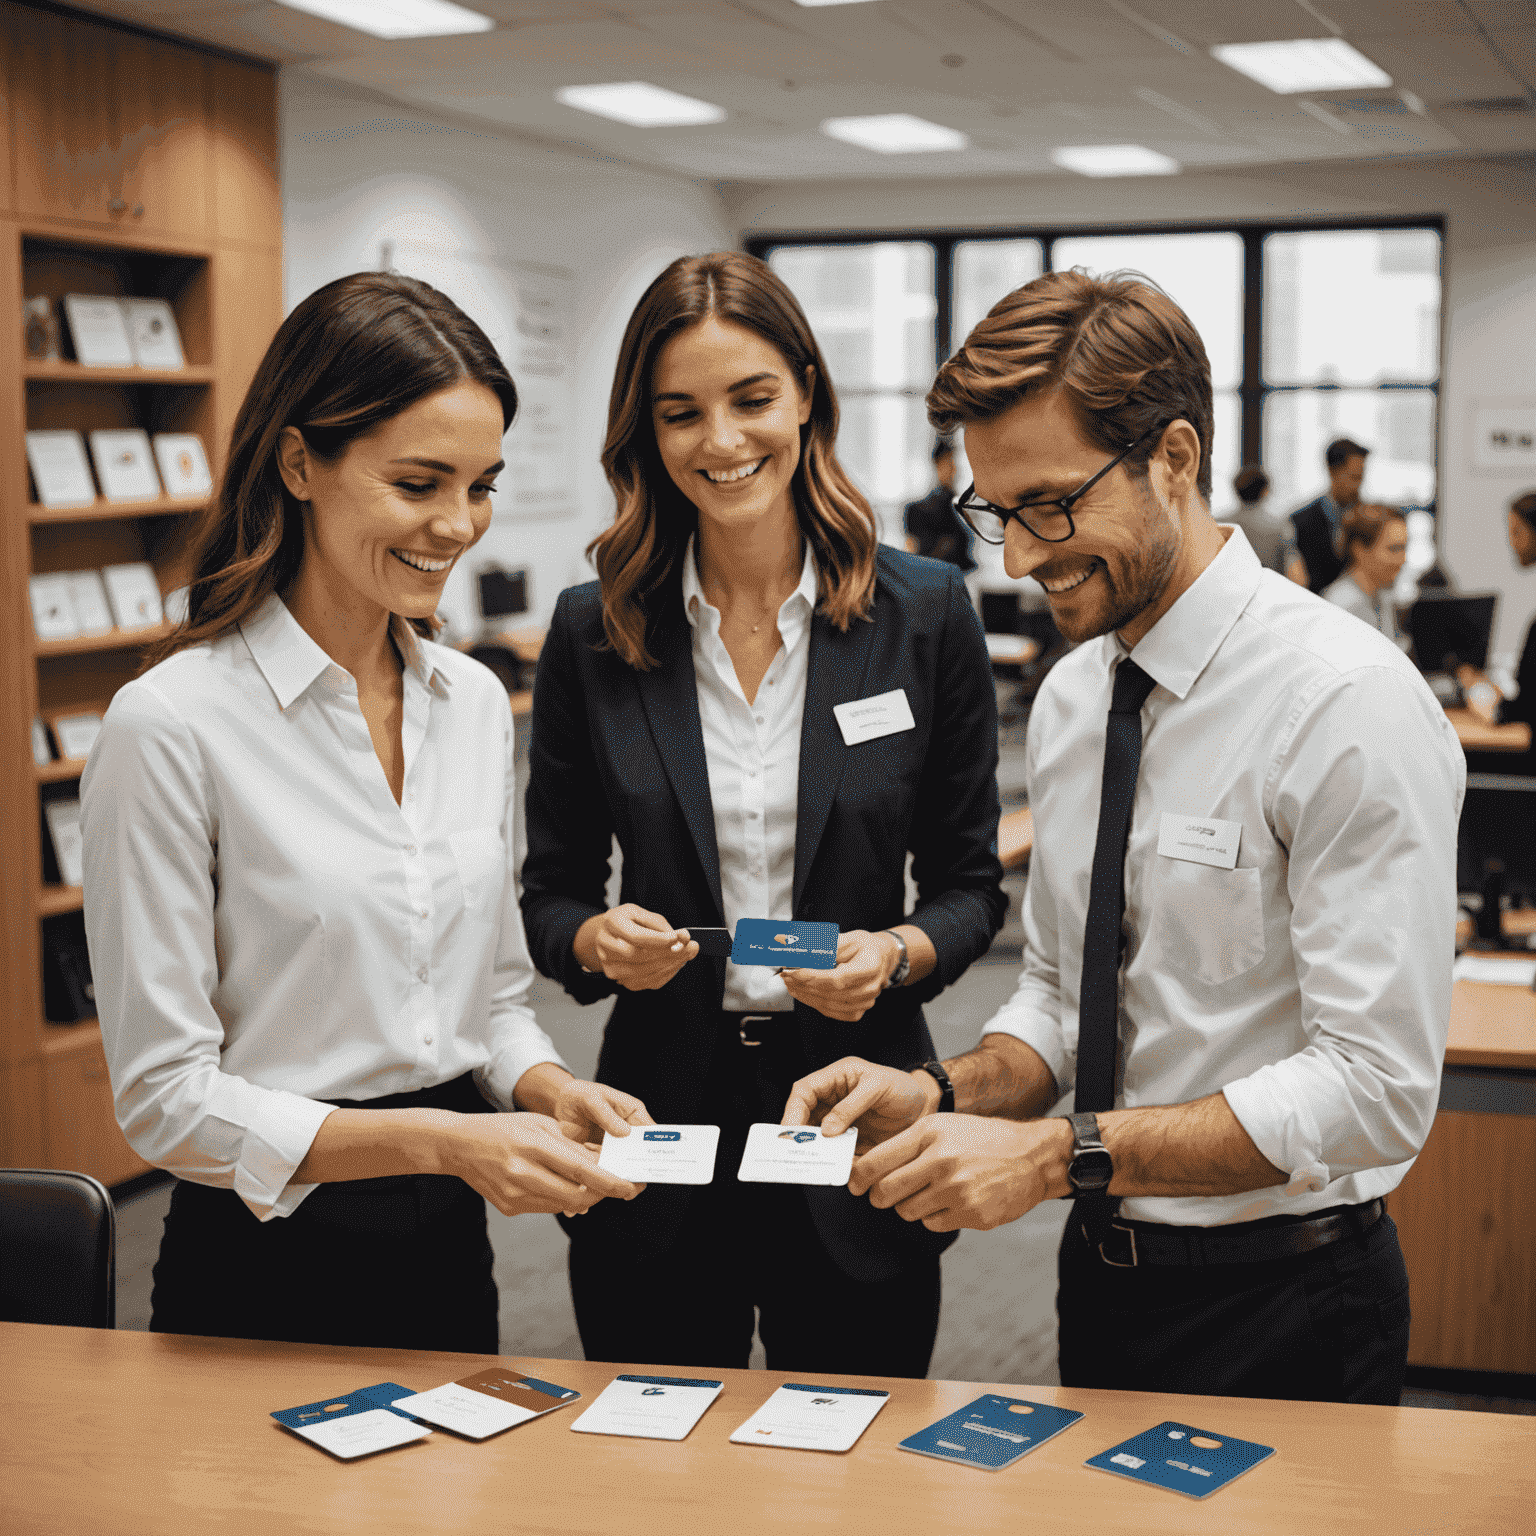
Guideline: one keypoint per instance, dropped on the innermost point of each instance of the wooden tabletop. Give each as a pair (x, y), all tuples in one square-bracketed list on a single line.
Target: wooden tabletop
[(1476, 736), (1492, 1026), (135, 1432)]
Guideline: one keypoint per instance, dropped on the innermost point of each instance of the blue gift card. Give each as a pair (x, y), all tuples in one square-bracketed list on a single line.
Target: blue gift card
[(364, 1400), (1181, 1457), (993, 1432), (781, 942)]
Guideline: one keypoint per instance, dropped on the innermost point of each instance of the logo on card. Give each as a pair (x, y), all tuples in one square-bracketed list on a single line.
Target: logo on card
[(654, 1392), (661, 1136), (822, 1402), (786, 938), (797, 1136)]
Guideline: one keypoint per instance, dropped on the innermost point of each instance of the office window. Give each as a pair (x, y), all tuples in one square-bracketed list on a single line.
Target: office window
[(984, 271)]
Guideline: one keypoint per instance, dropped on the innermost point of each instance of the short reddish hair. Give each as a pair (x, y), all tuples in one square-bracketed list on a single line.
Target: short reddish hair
[(1125, 354)]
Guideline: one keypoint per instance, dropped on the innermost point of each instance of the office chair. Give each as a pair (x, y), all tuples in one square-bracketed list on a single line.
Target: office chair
[(58, 1249)]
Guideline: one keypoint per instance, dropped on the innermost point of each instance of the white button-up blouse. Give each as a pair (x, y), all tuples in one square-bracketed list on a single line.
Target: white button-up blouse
[(268, 928)]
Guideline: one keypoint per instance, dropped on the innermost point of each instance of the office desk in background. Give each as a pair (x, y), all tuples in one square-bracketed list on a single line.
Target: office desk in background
[(1477, 736), (139, 1432)]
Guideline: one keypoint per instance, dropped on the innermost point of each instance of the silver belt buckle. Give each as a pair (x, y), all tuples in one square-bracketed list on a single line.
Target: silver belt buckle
[(752, 1018), (1130, 1232)]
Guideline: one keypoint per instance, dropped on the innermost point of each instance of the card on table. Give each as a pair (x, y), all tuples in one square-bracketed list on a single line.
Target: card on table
[(486, 1403), (807, 1418), (356, 1423), (993, 1432), (1181, 1457), (796, 1154), (784, 943), (662, 1154), (649, 1407)]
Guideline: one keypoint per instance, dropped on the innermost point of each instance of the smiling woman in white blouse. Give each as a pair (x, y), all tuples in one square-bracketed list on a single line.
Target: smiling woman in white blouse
[(309, 964)]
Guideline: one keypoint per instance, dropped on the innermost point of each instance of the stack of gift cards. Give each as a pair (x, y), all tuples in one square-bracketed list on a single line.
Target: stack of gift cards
[(355, 1424)]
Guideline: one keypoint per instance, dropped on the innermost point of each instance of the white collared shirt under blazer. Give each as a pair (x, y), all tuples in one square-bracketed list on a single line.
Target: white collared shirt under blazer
[(752, 752), (1311, 984), (268, 928)]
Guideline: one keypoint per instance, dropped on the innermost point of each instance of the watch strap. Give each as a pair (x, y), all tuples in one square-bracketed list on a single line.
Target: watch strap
[(898, 977), (936, 1071)]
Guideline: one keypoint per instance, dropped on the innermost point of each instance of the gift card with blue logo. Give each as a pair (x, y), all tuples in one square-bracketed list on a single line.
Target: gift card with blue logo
[(789, 945), (662, 1154), (993, 1432), (355, 1423), (1179, 1456)]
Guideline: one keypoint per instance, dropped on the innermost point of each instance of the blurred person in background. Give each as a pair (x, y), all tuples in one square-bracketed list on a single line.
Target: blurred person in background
[(1373, 541), (933, 527), (1522, 543), (1261, 527), (1311, 555)]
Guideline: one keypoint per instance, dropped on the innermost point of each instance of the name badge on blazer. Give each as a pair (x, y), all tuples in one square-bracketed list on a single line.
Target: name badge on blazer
[(883, 715)]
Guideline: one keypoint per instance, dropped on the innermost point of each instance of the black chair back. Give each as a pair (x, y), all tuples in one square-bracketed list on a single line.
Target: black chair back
[(58, 1249)]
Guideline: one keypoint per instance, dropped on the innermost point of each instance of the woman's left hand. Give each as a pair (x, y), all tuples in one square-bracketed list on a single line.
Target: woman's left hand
[(864, 963), (586, 1110)]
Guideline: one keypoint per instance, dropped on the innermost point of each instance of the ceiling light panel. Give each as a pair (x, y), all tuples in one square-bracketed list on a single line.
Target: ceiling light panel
[(640, 104), (397, 18), (895, 133), (1114, 160), (1305, 64)]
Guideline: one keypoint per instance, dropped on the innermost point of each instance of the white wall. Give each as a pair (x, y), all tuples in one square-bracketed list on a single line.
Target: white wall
[(1490, 284), (358, 172)]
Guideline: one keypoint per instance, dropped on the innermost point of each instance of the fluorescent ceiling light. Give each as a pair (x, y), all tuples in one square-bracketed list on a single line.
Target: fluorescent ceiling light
[(397, 18), (1114, 160), (1306, 64), (639, 104), (895, 133)]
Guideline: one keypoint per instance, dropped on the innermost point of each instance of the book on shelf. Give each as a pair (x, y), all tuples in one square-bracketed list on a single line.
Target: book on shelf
[(134, 593), (63, 818), (183, 464), (42, 751), (76, 734), (88, 596), (98, 328), (40, 328), (53, 609), (59, 468), (124, 465), (153, 334)]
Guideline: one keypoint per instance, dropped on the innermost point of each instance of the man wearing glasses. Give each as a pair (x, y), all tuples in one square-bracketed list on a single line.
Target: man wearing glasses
[(1238, 927)]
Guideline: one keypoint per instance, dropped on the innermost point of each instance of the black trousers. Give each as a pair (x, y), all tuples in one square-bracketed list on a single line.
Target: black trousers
[(1329, 1326), (745, 1249), (401, 1263)]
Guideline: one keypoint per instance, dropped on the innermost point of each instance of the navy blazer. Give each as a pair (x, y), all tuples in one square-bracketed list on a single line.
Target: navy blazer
[(620, 753)]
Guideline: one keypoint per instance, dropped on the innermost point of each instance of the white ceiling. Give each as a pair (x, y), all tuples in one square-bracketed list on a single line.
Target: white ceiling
[(1020, 77)]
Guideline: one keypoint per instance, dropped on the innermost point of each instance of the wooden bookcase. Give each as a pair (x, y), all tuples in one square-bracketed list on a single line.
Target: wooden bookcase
[(131, 165)]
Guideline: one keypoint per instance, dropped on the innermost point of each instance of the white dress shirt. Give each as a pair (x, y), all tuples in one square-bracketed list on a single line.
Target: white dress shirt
[(753, 755), (268, 928), (1311, 984), (1380, 611)]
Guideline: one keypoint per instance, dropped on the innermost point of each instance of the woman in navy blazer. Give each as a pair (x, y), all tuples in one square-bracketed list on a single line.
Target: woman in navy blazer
[(743, 560)]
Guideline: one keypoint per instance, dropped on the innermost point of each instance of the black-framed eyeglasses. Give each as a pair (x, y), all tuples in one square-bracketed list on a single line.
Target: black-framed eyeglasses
[(1052, 523)]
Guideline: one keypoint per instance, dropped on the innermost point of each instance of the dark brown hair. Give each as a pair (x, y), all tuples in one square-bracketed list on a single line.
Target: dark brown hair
[(1124, 353), (654, 520), (353, 355), (1524, 507), (1363, 525)]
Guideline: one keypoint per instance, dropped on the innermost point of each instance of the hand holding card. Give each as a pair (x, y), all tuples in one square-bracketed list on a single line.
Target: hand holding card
[(662, 1154), (796, 1154)]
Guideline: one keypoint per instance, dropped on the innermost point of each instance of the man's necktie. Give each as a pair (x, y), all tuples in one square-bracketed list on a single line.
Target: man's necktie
[(1098, 1013)]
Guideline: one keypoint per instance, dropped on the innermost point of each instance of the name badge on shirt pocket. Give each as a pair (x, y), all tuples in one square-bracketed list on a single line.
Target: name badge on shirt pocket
[(1199, 839), (882, 715)]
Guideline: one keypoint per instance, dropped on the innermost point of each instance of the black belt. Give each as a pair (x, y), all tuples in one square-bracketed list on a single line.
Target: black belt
[(1128, 1244), (762, 1028)]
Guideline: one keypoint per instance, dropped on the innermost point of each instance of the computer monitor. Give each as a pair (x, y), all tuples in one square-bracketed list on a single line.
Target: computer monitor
[(1451, 629), (1498, 821), (503, 593)]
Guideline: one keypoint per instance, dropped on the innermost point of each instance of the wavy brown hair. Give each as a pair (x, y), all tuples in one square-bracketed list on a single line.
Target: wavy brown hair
[(1125, 354), (353, 355), (1362, 525), (654, 520)]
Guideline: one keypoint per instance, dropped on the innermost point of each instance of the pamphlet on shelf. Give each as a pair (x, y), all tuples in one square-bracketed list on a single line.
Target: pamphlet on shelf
[(59, 469), (135, 595), (88, 596), (63, 817), (42, 753), (76, 734), (53, 610), (124, 466), (183, 464), (152, 330), (40, 324), (177, 603), (99, 330)]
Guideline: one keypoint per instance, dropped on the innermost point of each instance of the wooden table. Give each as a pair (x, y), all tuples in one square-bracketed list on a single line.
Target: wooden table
[(1477, 736), (124, 1433), (1466, 1212)]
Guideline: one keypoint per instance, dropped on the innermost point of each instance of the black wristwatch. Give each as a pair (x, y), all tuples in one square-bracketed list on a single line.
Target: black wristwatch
[(936, 1071), (1091, 1167), (898, 977)]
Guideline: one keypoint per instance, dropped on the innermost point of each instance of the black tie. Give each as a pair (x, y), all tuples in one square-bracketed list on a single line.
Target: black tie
[(1098, 1013)]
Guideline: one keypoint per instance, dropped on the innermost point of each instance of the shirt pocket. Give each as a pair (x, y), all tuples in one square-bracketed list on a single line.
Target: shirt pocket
[(1209, 923), (480, 858)]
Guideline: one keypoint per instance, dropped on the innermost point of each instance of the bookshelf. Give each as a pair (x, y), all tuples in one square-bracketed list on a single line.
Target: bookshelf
[(129, 165)]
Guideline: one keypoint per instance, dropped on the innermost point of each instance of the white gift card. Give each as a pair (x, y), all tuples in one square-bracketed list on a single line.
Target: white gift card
[(124, 465), (99, 330), (63, 818), (183, 464), (361, 1434), (88, 597), (662, 1154), (807, 1418), (76, 734), (487, 1403), (53, 609), (796, 1154), (1200, 839), (59, 470), (135, 594), (152, 331), (865, 719), (649, 1407)]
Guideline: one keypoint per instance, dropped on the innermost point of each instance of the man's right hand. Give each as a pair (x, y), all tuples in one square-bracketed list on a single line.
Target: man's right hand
[(880, 1101), (639, 950)]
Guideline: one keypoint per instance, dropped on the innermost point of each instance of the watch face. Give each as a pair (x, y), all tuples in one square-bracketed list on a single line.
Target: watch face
[(1091, 1171)]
